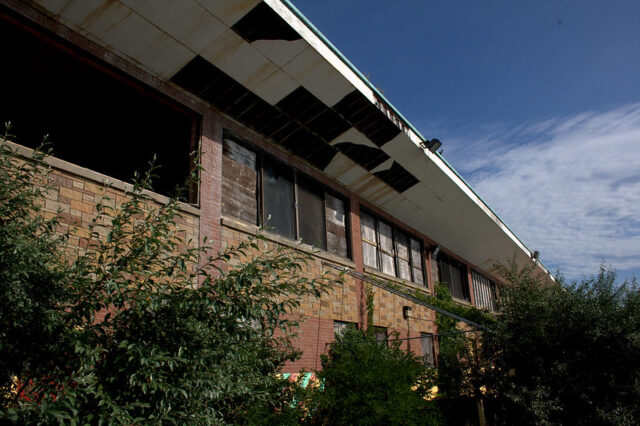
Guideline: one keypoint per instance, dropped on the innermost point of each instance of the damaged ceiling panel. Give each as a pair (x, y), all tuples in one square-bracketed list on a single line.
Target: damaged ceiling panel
[(263, 64)]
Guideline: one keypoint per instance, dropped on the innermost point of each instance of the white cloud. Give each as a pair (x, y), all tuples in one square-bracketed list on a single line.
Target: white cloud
[(568, 187)]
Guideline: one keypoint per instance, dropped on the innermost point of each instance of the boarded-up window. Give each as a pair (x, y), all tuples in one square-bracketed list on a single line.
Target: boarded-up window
[(239, 180), (278, 197), (484, 291), (311, 221), (428, 353), (369, 240), (454, 274), (390, 250), (335, 213)]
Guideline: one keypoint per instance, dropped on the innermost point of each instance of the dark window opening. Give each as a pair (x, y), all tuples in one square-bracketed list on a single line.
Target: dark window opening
[(428, 353), (390, 250), (260, 189), (95, 117), (454, 274), (278, 197)]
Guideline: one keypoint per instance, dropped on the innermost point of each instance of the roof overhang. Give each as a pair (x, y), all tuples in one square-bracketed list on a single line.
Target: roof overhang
[(266, 66)]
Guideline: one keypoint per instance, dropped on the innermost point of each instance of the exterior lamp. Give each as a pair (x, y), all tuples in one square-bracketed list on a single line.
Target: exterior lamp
[(431, 145)]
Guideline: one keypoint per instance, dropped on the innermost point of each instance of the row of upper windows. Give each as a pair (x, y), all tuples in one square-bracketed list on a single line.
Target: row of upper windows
[(259, 189)]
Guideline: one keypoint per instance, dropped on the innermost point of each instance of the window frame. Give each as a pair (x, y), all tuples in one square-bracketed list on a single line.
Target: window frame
[(465, 284), (262, 157), (395, 230), (424, 335)]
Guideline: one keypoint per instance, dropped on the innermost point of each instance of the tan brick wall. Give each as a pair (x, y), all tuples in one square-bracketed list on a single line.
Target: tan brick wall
[(315, 332), (75, 192)]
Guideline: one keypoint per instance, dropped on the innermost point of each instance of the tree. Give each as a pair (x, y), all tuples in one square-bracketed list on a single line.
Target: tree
[(567, 353), (368, 382), (184, 339)]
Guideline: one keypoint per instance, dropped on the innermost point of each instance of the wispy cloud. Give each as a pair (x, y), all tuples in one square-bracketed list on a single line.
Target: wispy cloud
[(569, 187)]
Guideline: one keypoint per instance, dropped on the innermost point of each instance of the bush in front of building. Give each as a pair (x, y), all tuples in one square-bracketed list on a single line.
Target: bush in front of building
[(566, 353), (142, 326), (372, 383)]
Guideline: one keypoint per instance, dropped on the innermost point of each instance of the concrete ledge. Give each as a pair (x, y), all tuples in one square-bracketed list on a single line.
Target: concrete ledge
[(99, 178), (250, 229), (396, 280)]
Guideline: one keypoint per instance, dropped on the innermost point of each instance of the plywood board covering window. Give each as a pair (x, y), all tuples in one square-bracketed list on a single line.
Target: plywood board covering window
[(390, 250), (260, 189), (239, 183)]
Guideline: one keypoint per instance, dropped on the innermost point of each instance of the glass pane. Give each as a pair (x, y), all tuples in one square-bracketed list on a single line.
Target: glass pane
[(277, 183), (311, 212), (368, 228), (458, 281), (386, 237), (416, 253), (388, 265), (404, 270), (239, 180), (402, 244), (445, 271), (418, 278), (335, 213), (369, 255), (340, 327), (427, 348)]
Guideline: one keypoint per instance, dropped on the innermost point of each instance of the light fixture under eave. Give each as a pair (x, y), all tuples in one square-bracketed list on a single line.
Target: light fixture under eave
[(432, 145), (436, 251)]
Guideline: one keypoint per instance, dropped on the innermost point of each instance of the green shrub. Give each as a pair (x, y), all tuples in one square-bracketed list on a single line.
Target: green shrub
[(185, 340)]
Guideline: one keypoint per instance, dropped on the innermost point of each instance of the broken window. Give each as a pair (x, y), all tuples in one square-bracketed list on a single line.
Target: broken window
[(96, 117), (484, 291), (454, 274), (428, 353), (390, 250), (260, 189)]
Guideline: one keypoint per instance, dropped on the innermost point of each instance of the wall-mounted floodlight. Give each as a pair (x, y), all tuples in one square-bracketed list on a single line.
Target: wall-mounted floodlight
[(406, 312), (436, 251), (431, 145), (535, 255)]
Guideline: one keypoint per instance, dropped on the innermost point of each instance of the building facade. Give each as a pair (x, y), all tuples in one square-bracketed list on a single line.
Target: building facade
[(290, 135)]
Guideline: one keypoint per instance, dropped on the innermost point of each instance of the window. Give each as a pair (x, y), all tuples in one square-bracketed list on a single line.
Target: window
[(381, 335), (484, 291), (454, 274), (390, 250), (428, 354), (340, 327), (260, 189)]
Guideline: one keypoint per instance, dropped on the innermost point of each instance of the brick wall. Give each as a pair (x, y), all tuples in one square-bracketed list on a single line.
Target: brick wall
[(75, 192)]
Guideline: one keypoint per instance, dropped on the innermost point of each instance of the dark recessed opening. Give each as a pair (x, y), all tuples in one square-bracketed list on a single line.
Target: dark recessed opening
[(95, 117)]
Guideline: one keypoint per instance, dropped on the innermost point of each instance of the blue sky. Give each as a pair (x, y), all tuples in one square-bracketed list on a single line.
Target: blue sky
[(537, 104)]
